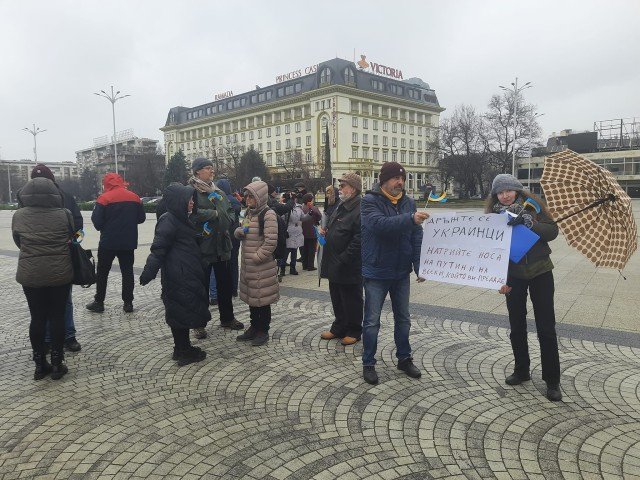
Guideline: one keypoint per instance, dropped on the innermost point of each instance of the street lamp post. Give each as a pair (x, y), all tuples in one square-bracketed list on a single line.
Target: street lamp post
[(34, 131), (516, 92), (113, 98), (537, 115)]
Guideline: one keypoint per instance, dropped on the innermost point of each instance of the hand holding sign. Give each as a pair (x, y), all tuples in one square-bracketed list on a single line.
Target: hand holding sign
[(419, 217)]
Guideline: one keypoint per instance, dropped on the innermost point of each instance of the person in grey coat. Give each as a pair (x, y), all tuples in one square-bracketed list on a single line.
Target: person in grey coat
[(42, 230), (295, 239)]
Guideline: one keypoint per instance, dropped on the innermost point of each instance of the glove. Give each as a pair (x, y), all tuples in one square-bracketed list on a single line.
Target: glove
[(515, 208), (525, 219)]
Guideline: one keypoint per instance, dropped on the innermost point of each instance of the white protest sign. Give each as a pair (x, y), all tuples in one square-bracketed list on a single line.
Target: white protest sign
[(466, 249)]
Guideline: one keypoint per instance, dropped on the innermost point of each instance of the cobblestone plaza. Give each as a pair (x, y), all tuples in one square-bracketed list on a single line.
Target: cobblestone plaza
[(298, 408)]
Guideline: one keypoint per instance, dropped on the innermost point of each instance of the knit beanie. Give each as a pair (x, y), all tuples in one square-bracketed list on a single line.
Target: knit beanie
[(353, 180), (390, 170), (199, 163), (505, 181), (41, 170)]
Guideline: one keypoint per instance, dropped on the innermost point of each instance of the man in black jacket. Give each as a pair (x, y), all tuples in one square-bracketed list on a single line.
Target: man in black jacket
[(341, 262), (70, 342)]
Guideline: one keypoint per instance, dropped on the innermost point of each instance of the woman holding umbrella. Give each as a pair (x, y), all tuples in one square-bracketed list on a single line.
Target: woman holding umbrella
[(533, 274)]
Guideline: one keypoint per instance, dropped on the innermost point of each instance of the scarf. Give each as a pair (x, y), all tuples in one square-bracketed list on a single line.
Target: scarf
[(516, 207), (201, 185), (391, 198)]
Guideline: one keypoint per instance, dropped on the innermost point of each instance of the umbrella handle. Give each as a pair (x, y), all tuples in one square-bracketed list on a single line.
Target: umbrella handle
[(611, 197)]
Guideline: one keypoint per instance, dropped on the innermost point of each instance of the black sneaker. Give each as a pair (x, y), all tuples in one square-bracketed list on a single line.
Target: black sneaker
[(369, 374), (293, 272), (72, 345), (409, 368), (517, 378), (249, 334), (190, 355), (553, 392), (233, 325), (127, 307), (259, 339), (97, 307)]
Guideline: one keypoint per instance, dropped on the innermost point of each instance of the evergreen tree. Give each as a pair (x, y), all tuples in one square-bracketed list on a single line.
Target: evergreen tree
[(177, 169), (251, 165), (89, 184)]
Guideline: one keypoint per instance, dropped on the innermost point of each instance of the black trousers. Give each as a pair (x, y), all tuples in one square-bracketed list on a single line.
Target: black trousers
[(105, 260), (348, 306), (541, 289), (260, 318), (224, 288), (47, 305), (308, 258), (181, 339), (233, 264)]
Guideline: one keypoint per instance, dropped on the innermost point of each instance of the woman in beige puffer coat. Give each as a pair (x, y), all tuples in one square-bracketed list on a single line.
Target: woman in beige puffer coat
[(258, 270), (42, 230)]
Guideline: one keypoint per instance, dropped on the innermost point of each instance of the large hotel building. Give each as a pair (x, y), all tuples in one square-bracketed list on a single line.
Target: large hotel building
[(369, 112)]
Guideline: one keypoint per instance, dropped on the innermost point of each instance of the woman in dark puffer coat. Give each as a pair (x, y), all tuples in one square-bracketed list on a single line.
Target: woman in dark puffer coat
[(175, 250), (42, 230)]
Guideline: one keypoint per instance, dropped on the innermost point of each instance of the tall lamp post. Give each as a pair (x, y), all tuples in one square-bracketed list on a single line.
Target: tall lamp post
[(113, 98), (516, 92), (34, 131)]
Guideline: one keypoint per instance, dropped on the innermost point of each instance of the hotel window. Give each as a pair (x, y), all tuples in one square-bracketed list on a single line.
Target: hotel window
[(269, 160), (365, 123), (385, 126), (259, 147), (375, 139), (278, 131), (235, 138), (277, 144), (354, 122), (279, 159), (377, 85), (365, 152), (394, 155), (385, 141), (298, 142), (269, 93), (317, 106), (308, 156), (375, 155), (228, 139), (288, 90), (308, 125), (298, 87), (411, 157), (411, 143), (242, 137), (375, 124), (403, 143), (354, 137), (259, 134), (280, 91), (385, 155), (324, 137), (288, 143), (268, 146), (419, 131), (354, 152), (251, 135), (403, 157), (394, 127), (325, 76), (308, 140), (411, 130), (419, 158), (298, 127), (394, 142), (287, 128), (324, 121), (419, 144), (403, 128), (268, 132), (349, 76), (365, 138)]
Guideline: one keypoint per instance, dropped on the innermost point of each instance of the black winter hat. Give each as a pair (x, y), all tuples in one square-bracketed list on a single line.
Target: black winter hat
[(390, 170), (199, 163)]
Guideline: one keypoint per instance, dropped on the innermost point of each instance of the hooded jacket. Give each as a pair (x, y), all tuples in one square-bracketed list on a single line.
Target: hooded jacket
[(224, 185), (42, 229), (391, 241), (117, 214), (185, 292), (258, 270)]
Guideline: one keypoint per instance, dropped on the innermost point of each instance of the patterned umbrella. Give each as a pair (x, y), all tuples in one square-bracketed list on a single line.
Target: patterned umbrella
[(596, 216)]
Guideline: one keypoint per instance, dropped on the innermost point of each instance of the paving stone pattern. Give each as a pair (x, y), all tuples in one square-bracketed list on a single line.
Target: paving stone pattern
[(298, 408)]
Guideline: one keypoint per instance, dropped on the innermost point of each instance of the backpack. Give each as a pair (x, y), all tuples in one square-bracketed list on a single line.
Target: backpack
[(281, 247)]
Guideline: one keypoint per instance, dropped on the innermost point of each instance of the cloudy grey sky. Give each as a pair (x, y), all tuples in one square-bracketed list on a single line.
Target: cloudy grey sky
[(581, 57)]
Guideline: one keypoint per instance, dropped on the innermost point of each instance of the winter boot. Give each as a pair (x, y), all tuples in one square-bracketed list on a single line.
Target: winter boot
[(260, 338), (293, 271), (281, 273), (407, 366), (58, 368), (189, 355), (43, 368), (249, 334), (95, 306)]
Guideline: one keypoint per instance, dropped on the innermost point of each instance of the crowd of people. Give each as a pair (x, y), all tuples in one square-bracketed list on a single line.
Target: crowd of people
[(371, 245)]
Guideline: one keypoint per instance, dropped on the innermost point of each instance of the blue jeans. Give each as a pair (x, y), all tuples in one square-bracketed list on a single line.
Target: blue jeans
[(375, 292), (213, 292), (69, 326)]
